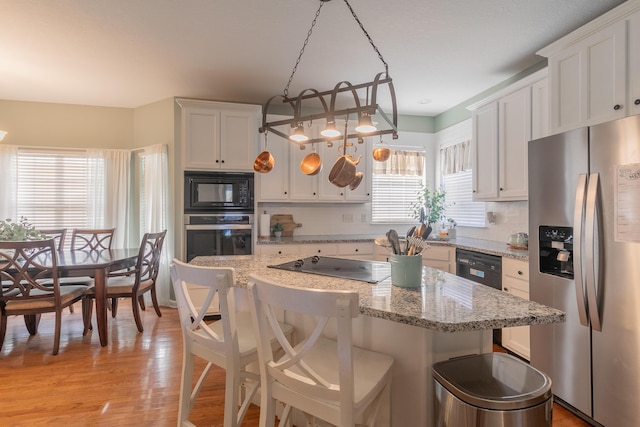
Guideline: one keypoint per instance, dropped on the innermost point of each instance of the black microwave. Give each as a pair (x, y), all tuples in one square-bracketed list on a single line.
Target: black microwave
[(218, 192)]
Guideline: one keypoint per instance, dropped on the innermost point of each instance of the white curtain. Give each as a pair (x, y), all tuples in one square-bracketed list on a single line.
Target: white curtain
[(455, 158), (401, 162), (109, 195), (8, 182), (155, 210)]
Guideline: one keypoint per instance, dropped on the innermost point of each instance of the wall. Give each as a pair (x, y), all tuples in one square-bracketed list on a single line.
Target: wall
[(63, 125)]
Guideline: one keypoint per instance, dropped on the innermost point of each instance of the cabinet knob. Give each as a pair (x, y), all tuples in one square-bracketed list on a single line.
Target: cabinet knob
[(519, 273), (356, 249), (217, 161), (506, 289), (637, 102), (314, 193), (222, 161), (279, 252), (617, 107), (501, 189), (285, 192), (319, 250)]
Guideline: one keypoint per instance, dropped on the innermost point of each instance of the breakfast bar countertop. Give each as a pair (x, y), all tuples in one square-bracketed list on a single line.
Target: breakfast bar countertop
[(444, 302)]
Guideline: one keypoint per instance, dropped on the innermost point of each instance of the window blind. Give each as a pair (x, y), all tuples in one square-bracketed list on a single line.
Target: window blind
[(52, 188), (460, 207)]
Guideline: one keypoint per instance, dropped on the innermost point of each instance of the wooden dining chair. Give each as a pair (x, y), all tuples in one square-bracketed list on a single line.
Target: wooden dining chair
[(229, 343), (133, 283), (92, 239), (24, 266), (57, 234), (328, 379)]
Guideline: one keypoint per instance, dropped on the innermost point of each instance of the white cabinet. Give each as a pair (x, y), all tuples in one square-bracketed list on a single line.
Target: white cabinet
[(358, 250), (502, 127), (594, 72), (273, 186), (515, 280), (440, 257), (301, 251), (587, 80), (219, 135)]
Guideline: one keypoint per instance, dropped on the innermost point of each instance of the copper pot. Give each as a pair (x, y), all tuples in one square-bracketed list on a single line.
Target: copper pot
[(356, 181), (381, 154), (344, 171), (311, 164), (264, 162)]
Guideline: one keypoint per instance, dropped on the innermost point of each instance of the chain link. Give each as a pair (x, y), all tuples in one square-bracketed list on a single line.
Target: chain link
[(306, 41), (386, 66)]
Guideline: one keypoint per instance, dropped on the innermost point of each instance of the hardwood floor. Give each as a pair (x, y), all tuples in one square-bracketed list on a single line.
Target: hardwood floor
[(131, 382)]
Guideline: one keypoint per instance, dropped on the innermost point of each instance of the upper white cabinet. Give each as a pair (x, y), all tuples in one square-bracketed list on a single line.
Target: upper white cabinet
[(502, 127), (593, 72), (219, 135)]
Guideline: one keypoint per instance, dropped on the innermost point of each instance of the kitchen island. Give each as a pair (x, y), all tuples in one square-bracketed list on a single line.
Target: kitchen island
[(448, 316)]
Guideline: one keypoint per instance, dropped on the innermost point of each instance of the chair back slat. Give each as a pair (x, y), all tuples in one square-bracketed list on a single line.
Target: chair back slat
[(57, 234), (24, 266), (218, 281), (149, 257), (92, 239), (319, 307)]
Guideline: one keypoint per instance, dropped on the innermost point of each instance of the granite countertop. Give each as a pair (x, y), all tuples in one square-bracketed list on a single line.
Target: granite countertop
[(444, 302), (480, 245)]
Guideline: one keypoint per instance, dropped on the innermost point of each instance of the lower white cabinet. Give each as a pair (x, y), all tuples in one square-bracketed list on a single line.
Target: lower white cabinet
[(359, 250), (515, 280), (440, 257), (301, 251)]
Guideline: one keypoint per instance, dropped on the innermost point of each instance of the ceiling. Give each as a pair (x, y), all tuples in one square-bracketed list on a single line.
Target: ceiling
[(124, 53)]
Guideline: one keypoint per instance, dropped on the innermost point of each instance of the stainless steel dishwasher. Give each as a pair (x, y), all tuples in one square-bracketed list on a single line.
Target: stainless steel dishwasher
[(481, 268)]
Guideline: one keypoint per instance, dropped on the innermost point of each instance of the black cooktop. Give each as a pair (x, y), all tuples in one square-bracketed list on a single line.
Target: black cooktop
[(354, 269)]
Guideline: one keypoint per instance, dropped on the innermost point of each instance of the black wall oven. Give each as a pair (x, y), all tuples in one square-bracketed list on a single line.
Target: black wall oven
[(218, 214), (218, 234)]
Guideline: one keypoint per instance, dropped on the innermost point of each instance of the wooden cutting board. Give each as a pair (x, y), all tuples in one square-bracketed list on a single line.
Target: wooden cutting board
[(287, 221)]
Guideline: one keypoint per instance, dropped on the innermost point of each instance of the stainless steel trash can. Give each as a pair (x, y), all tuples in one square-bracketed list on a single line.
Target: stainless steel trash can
[(492, 389)]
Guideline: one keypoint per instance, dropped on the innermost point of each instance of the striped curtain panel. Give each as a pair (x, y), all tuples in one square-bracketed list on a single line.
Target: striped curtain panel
[(455, 158)]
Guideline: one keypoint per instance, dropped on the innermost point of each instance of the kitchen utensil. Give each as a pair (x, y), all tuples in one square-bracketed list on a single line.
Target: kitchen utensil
[(392, 235), (311, 164), (416, 245), (356, 181), (265, 161), (381, 154), (406, 242), (344, 170)]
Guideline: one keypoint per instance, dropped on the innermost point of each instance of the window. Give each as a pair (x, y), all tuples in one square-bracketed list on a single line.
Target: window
[(395, 185), (52, 188), (457, 184), (458, 190)]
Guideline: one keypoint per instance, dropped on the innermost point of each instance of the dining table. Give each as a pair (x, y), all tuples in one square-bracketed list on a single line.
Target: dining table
[(97, 264)]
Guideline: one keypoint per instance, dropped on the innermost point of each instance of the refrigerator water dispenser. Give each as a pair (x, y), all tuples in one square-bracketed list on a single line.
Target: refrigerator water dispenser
[(556, 250)]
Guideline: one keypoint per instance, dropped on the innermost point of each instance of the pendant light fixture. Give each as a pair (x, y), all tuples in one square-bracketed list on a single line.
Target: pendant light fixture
[(312, 98)]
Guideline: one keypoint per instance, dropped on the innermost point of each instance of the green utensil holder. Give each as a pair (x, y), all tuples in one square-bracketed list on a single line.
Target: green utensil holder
[(406, 270)]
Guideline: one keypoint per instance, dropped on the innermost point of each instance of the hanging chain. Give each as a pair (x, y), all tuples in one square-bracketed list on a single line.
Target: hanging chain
[(306, 41), (386, 66)]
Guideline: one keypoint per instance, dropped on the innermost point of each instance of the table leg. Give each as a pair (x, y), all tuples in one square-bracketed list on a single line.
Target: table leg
[(99, 282)]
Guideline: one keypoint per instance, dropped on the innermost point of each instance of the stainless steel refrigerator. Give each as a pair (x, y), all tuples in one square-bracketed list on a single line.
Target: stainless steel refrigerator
[(584, 254)]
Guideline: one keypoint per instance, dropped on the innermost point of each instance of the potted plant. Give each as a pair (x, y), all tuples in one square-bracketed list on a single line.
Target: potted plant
[(19, 231), (277, 229), (429, 207)]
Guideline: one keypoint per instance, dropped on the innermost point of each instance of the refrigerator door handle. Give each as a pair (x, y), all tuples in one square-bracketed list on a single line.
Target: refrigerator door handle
[(593, 227), (578, 216)]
